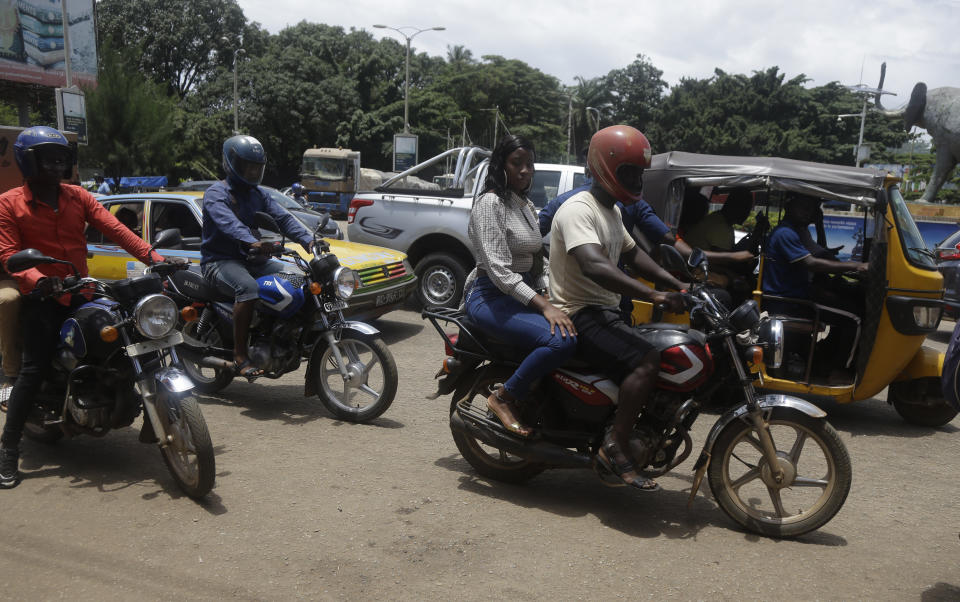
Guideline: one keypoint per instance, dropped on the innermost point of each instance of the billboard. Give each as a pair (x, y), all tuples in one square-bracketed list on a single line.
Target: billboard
[(404, 151), (33, 40)]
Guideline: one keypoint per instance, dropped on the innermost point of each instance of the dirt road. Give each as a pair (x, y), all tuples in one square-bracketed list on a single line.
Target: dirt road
[(309, 507)]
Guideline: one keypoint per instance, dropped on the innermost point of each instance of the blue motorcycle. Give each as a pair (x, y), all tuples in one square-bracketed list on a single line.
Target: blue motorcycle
[(299, 316), (116, 356)]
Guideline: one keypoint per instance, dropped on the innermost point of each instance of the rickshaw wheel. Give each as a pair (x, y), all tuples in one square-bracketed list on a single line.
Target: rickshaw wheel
[(921, 402)]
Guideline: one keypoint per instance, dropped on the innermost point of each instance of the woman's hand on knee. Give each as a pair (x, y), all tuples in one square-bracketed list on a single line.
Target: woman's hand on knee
[(559, 320)]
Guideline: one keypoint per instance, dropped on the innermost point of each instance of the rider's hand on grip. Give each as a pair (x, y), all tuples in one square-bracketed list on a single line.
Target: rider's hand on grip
[(672, 302), (51, 285), (176, 260)]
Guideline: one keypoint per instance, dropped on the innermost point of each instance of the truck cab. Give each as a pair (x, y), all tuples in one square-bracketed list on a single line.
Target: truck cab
[(329, 176)]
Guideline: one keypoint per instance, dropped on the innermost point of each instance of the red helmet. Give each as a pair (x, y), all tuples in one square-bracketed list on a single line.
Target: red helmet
[(612, 147)]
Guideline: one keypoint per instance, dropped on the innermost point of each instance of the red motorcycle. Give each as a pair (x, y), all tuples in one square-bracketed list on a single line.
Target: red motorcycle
[(774, 464)]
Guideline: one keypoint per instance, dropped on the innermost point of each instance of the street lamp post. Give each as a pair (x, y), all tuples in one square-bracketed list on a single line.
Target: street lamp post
[(236, 112), (236, 102), (406, 81)]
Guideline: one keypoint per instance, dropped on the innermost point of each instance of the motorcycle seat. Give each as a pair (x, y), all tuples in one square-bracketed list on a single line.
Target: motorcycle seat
[(194, 285)]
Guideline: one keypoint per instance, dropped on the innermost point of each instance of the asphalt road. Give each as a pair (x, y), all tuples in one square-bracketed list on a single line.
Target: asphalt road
[(306, 506)]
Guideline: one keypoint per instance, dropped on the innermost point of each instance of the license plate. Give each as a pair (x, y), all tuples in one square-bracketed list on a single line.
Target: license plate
[(391, 297), (334, 305), (171, 340)]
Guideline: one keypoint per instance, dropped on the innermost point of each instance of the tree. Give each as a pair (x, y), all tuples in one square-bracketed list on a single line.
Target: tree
[(636, 92), (181, 42), (132, 120)]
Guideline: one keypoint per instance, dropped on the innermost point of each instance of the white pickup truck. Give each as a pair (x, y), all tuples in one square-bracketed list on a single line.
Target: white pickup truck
[(428, 220)]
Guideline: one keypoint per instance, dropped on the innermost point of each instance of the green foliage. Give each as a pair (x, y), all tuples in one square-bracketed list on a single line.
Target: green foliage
[(180, 42), (133, 123), (319, 85)]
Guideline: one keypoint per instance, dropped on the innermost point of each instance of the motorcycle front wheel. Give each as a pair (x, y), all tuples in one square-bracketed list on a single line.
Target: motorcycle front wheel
[(206, 380), (371, 382), (185, 444), (816, 467)]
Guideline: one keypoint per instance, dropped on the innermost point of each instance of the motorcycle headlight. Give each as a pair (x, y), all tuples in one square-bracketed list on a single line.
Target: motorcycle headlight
[(345, 282), (155, 316)]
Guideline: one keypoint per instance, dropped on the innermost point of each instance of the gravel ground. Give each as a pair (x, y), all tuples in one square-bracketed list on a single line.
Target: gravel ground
[(306, 506)]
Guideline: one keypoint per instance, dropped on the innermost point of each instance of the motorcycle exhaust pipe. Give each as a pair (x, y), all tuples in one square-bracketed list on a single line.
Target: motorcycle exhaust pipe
[(537, 451), (215, 362)]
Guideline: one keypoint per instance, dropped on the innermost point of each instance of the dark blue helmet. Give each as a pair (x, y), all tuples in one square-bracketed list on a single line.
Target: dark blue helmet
[(38, 139), (244, 160), (297, 188)]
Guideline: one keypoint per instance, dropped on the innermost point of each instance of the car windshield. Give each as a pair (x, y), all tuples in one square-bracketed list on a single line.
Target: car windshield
[(328, 169), (282, 199), (913, 245)]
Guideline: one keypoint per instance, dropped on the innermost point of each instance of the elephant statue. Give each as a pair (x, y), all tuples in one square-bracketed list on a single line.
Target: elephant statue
[(938, 112)]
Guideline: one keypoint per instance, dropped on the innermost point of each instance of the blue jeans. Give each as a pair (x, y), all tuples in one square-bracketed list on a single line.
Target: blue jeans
[(239, 278), (506, 318)]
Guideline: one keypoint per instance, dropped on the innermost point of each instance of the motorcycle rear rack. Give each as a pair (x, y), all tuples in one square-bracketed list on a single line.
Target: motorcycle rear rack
[(448, 315)]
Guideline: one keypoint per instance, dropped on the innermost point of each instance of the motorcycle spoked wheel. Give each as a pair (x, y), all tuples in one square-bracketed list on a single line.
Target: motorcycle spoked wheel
[(188, 453), (206, 380), (816, 466), (373, 378), (488, 461)]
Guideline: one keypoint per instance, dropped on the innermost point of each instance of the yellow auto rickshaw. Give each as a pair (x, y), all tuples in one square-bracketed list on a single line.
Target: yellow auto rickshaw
[(901, 292)]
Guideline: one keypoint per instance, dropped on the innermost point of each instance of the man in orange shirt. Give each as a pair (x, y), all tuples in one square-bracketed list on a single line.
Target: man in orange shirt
[(51, 217)]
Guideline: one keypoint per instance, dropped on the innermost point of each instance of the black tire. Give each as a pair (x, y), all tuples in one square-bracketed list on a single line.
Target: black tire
[(189, 451), (363, 354), (921, 402), (43, 434), (205, 380), (440, 280), (791, 431), (488, 461)]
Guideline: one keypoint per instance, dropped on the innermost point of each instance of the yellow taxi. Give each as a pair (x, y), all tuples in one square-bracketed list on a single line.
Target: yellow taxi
[(385, 275)]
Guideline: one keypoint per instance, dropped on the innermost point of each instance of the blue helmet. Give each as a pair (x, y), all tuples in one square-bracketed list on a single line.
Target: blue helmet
[(244, 160), (296, 188), (38, 138)]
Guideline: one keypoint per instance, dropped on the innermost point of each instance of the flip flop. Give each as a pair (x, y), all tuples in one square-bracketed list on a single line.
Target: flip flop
[(607, 455), (247, 370)]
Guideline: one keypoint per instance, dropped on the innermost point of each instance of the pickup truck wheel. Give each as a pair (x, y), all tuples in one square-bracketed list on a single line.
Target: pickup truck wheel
[(440, 280)]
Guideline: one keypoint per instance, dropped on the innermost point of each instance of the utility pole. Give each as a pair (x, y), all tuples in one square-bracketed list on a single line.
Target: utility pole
[(569, 124)]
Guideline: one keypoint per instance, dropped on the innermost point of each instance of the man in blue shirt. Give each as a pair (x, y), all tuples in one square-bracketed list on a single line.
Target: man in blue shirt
[(787, 270), (231, 242)]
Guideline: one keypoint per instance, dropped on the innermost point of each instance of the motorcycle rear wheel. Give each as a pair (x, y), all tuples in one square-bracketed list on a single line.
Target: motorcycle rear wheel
[(373, 383), (488, 461), (188, 452), (206, 380), (817, 480)]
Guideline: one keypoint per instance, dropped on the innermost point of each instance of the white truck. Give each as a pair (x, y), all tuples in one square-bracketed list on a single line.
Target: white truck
[(410, 212)]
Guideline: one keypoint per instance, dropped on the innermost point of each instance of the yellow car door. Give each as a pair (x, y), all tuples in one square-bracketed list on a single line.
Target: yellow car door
[(106, 260)]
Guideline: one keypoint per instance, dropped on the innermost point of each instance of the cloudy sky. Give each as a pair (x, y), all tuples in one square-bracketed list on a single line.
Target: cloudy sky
[(825, 40)]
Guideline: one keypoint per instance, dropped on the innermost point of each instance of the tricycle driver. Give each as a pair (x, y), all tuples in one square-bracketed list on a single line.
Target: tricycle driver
[(788, 268), (586, 241), (231, 249)]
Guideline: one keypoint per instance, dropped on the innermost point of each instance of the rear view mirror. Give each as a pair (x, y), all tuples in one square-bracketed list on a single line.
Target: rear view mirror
[(266, 222), (697, 259), (167, 239), (672, 260), (26, 259)]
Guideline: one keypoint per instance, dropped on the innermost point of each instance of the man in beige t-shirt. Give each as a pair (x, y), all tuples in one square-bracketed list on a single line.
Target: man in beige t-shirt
[(586, 241)]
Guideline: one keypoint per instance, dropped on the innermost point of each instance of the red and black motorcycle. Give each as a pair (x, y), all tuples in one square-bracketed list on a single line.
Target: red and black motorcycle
[(774, 464)]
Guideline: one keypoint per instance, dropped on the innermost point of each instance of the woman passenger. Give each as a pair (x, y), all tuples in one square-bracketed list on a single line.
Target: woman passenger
[(500, 294)]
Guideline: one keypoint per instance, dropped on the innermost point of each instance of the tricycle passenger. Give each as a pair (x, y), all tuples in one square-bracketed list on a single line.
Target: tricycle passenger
[(501, 293), (715, 233)]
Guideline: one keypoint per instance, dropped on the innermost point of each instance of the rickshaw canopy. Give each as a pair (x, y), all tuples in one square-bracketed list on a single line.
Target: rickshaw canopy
[(857, 185)]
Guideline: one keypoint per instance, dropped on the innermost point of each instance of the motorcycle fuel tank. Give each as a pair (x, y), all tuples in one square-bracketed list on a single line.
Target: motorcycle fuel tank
[(279, 296)]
